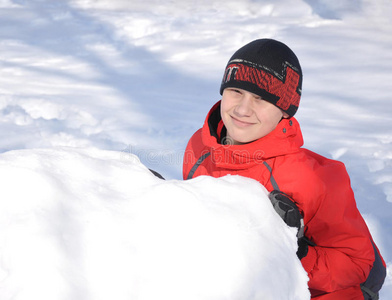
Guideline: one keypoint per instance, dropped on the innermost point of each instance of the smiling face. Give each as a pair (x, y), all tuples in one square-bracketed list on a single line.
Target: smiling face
[(247, 116)]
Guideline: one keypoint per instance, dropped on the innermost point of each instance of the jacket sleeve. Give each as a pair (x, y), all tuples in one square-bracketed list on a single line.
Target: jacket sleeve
[(343, 254)]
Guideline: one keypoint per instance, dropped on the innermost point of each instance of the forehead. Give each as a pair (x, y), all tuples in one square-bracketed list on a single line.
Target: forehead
[(243, 91)]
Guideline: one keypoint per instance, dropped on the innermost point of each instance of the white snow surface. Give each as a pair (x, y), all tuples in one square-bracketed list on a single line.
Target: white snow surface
[(96, 224), (90, 87)]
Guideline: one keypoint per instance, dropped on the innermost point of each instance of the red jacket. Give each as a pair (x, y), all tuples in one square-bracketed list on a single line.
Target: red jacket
[(344, 253)]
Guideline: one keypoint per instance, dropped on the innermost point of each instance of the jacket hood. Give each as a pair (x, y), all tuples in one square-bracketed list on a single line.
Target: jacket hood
[(286, 138)]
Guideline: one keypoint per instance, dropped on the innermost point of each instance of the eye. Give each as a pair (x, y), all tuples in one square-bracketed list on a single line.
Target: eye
[(236, 91)]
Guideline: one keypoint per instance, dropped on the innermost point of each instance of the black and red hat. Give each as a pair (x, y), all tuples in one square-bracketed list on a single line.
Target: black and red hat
[(269, 69)]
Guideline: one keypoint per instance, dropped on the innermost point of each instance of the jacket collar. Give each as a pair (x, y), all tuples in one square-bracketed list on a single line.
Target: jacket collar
[(284, 139)]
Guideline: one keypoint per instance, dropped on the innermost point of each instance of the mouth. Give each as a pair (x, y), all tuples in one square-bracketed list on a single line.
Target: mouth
[(241, 123)]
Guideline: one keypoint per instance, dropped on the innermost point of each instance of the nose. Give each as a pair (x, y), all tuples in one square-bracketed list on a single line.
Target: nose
[(244, 106)]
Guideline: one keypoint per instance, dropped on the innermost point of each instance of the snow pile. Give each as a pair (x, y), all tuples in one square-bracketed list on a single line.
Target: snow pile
[(93, 224)]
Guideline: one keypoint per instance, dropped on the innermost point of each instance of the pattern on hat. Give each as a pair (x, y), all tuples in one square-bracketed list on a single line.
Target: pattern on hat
[(264, 70)]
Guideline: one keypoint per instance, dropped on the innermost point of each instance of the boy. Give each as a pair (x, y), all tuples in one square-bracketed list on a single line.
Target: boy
[(252, 132)]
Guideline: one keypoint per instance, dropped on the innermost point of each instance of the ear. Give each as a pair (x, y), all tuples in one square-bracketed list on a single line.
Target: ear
[(285, 115)]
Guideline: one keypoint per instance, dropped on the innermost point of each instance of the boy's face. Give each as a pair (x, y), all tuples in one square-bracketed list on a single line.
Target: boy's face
[(247, 116)]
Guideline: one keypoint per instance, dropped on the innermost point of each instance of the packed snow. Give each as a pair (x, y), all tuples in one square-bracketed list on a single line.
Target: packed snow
[(97, 224), (95, 92)]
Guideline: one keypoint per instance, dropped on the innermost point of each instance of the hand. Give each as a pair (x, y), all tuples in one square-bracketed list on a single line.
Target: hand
[(289, 212), (303, 247)]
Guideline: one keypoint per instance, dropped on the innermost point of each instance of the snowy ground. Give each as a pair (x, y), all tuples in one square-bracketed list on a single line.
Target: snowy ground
[(139, 77)]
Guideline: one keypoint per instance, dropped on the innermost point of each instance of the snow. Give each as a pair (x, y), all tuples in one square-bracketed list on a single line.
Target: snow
[(89, 87), (95, 224)]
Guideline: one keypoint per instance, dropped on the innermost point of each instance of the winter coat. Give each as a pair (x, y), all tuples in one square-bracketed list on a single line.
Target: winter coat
[(344, 251)]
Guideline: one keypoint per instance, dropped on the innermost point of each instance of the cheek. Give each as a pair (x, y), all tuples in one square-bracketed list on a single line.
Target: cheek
[(225, 107), (224, 103), (270, 115), (222, 107)]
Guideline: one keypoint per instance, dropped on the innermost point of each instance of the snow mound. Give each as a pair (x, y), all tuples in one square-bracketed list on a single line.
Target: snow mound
[(92, 224)]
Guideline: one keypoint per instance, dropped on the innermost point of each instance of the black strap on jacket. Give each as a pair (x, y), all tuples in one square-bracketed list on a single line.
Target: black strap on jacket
[(197, 164), (272, 179)]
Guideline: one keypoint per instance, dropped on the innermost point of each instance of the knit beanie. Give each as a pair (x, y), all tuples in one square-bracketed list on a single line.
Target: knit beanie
[(269, 69)]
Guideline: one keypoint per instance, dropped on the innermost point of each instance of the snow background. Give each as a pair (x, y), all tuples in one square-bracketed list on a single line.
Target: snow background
[(138, 77)]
